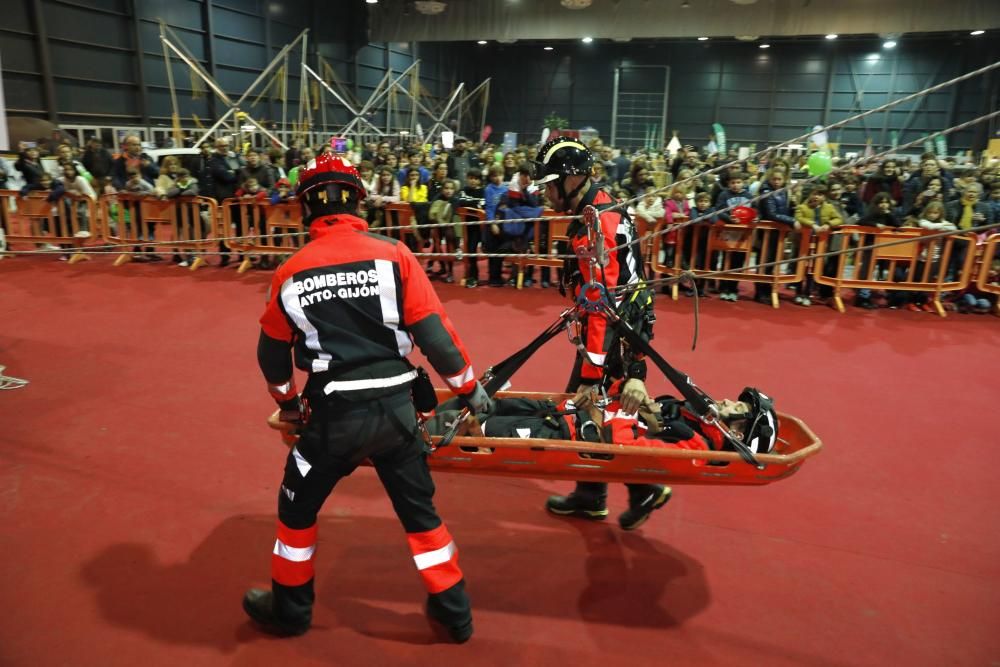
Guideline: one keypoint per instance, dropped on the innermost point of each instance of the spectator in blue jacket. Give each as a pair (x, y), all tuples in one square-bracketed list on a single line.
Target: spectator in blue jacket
[(774, 206)]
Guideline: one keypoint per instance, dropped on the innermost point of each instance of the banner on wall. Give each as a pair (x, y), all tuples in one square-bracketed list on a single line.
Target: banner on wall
[(941, 145), (509, 142), (720, 137)]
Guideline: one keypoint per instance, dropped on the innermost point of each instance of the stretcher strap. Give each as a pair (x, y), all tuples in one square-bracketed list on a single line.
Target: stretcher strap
[(700, 402)]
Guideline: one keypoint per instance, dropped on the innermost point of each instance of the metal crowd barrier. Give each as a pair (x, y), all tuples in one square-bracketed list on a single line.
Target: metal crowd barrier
[(191, 222), (549, 239), (261, 228), (707, 248), (988, 257), (933, 265), (66, 221)]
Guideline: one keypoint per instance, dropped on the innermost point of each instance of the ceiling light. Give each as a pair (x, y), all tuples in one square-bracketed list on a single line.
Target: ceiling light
[(685, 5), (587, 40), (430, 7), (976, 33), (765, 46), (372, 2), (831, 36), (546, 48), (890, 44), (576, 4), (703, 39), (481, 42)]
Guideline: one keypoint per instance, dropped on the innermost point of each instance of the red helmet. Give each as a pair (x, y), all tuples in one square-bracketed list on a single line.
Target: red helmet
[(327, 169), (743, 215)]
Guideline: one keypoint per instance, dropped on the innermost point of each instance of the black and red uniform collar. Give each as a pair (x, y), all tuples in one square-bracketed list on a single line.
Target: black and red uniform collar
[(329, 224)]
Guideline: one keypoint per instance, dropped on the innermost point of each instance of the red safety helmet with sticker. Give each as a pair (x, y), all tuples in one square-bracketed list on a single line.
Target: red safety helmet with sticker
[(329, 185), (327, 169)]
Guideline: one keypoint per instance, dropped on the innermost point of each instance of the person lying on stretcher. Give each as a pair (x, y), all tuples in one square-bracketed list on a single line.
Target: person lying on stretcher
[(662, 422)]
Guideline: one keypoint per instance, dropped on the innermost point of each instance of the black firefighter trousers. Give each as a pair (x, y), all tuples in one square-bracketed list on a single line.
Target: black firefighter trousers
[(339, 436)]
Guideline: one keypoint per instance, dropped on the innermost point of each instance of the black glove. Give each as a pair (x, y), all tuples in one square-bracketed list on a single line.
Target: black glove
[(477, 401), (292, 411)]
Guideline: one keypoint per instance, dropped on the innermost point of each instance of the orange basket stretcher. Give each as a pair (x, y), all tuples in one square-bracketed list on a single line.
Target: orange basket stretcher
[(571, 460)]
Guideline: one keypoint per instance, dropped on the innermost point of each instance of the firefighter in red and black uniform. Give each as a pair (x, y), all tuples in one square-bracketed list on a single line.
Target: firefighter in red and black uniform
[(563, 166), (349, 305)]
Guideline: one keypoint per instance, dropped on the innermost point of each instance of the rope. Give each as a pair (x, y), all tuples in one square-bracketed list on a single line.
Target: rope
[(7, 382), (793, 260), (675, 226)]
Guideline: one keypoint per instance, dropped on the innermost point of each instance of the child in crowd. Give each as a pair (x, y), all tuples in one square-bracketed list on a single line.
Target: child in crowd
[(733, 195), (522, 199), (414, 193), (472, 196), (697, 234), (494, 192), (414, 161), (775, 206), (136, 184), (932, 217), (880, 214), (185, 185), (386, 192), (442, 211), (369, 178), (818, 214), (168, 174), (283, 192), (252, 190), (437, 180)]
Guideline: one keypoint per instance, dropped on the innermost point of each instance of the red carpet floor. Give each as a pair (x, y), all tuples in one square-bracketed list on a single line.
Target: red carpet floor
[(138, 485)]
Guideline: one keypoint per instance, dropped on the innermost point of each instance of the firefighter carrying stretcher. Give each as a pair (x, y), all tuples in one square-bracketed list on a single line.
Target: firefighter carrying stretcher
[(563, 166)]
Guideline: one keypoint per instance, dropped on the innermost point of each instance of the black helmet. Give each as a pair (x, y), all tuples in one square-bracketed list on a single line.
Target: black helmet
[(761, 432), (560, 157)]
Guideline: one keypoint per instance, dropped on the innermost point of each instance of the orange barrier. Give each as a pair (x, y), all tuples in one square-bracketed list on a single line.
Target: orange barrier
[(987, 257), (401, 215), (549, 238), (246, 218), (922, 265), (704, 248), (137, 218), (67, 221)]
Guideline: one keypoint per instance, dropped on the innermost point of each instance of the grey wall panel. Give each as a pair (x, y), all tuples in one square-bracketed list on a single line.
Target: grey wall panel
[(176, 13), (66, 23), (69, 60), (23, 91), (19, 53), (237, 24), (119, 6), (98, 97), (241, 54), (16, 17)]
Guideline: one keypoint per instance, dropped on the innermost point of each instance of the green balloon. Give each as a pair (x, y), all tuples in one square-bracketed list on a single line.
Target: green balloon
[(820, 163), (350, 144), (498, 156)]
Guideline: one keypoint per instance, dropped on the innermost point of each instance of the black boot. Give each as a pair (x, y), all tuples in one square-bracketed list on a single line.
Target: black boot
[(259, 605), (642, 501), (458, 633), (574, 504)]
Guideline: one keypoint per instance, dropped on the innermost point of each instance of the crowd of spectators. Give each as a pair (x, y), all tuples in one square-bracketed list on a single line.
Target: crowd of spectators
[(929, 193)]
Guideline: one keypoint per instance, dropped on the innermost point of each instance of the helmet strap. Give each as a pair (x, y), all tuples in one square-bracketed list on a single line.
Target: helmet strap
[(568, 197)]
